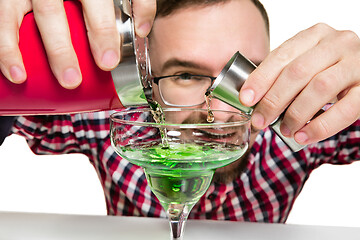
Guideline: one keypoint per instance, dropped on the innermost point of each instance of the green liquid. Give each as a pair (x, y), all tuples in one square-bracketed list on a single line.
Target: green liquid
[(182, 172), (179, 188)]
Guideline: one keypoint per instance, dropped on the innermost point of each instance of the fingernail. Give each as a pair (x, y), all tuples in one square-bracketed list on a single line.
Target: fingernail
[(110, 59), (143, 29), (71, 78), (258, 120), (247, 96), (285, 130), (17, 74), (301, 137)]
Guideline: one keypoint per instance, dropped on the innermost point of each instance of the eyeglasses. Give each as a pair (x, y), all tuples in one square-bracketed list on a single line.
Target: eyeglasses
[(184, 90)]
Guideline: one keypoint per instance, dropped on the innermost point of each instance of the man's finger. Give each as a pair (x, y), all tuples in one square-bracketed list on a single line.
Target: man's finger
[(144, 14), (298, 84), (262, 78), (102, 32), (51, 20), (11, 63), (339, 116)]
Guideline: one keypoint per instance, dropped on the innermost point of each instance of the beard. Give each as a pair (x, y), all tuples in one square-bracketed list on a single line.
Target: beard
[(232, 171)]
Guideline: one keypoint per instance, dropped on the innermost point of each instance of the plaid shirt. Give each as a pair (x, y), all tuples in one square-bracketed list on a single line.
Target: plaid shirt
[(264, 192)]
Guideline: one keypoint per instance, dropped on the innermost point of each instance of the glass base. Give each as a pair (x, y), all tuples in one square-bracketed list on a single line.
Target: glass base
[(177, 214), (177, 229)]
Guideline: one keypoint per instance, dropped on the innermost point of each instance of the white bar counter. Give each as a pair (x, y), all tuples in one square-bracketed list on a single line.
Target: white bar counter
[(36, 226)]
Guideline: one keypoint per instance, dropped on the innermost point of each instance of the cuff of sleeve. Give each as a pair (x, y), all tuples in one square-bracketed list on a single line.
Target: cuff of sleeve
[(6, 123)]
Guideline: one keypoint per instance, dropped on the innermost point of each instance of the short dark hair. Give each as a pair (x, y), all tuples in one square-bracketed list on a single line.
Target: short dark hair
[(166, 7)]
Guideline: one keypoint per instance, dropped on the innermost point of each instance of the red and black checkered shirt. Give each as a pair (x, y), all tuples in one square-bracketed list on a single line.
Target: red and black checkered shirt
[(264, 192)]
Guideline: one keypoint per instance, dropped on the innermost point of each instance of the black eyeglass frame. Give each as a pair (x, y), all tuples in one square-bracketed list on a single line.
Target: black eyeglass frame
[(185, 76)]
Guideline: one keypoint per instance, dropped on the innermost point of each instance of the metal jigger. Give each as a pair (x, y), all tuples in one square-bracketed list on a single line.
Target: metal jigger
[(227, 85), (132, 76)]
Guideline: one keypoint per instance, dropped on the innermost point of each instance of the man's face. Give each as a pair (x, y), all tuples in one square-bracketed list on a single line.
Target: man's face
[(202, 39)]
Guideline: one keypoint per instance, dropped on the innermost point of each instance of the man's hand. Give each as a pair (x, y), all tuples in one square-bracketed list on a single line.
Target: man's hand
[(52, 23), (317, 66)]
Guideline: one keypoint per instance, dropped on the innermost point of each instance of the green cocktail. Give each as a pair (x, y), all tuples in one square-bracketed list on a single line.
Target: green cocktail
[(180, 172)]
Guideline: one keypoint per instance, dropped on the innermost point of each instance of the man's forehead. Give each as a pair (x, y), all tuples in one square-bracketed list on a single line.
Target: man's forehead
[(167, 7), (245, 8), (209, 35), (177, 62)]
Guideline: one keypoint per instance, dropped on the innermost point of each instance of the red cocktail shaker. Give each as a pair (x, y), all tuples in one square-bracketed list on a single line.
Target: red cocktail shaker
[(100, 90)]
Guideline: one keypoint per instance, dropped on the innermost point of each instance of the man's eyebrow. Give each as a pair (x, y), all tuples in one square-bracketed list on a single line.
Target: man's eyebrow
[(175, 62)]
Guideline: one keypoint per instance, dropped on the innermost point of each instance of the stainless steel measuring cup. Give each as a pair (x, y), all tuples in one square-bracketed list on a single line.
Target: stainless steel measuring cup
[(132, 76)]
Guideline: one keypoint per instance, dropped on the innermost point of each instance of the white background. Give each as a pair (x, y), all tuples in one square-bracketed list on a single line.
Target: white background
[(68, 184)]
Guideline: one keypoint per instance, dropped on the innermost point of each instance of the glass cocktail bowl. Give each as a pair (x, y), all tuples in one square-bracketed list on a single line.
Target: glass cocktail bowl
[(180, 155)]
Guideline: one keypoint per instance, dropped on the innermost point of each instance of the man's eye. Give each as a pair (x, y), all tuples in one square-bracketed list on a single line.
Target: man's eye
[(185, 76)]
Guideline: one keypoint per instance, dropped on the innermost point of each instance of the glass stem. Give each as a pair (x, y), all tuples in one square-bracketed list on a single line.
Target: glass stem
[(177, 214)]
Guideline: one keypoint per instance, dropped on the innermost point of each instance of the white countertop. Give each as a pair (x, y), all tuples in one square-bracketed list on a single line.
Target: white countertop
[(31, 226)]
